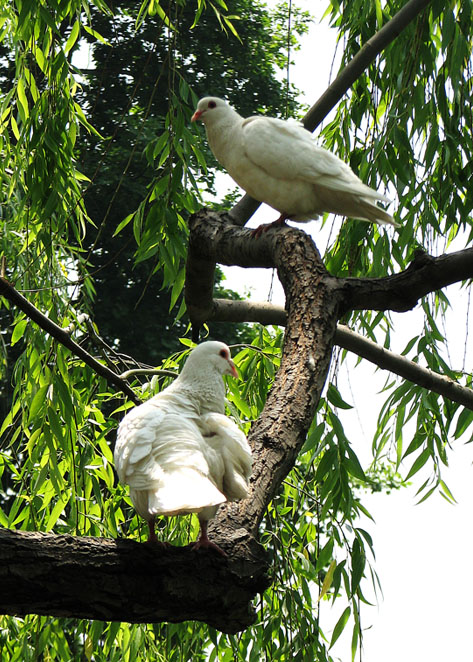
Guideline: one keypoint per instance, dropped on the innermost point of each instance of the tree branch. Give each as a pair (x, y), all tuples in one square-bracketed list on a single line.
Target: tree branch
[(362, 60), (401, 366), (402, 291), (265, 313), (246, 207), (61, 335), (122, 580)]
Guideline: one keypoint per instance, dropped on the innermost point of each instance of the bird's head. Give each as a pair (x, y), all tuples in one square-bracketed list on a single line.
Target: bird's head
[(212, 355), (209, 108)]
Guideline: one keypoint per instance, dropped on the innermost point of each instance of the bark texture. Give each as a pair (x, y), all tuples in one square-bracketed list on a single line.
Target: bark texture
[(122, 580)]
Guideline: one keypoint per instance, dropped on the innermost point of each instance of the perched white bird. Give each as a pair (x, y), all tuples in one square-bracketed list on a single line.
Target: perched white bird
[(278, 162), (178, 451)]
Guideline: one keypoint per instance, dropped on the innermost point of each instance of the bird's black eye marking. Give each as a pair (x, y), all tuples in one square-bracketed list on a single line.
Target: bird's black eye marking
[(223, 353), (212, 104)]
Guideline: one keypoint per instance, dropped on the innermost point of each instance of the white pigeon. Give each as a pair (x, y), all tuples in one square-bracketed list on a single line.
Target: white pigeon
[(178, 451), (279, 163)]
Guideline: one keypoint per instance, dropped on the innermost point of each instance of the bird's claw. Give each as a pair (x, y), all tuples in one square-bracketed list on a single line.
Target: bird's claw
[(208, 544)]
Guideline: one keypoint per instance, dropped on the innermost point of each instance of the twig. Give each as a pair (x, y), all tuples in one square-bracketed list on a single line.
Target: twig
[(61, 335), (147, 371)]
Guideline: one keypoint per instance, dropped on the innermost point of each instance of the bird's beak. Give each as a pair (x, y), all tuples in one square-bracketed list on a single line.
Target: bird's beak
[(196, 115), (233, 370)]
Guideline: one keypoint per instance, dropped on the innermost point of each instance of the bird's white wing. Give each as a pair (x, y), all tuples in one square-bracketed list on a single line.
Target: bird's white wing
[(135, 436), (222, 434), (287, 151), (164, 455)]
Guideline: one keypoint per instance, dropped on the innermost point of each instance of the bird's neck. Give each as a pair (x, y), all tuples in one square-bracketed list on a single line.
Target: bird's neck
[(201, 394), (220, 135)]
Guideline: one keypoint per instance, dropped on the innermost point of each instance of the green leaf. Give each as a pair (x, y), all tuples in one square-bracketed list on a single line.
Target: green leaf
[(18, 331), (327, 580), (340, 626), (57, 511), (72, 37), (419, 463), (38, 402), (123, 224), (336, 399), (353, 465), (358, 562), (23, 102), (97, 35)]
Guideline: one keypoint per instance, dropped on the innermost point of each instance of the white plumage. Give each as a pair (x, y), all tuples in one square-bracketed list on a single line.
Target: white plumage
[(279, 163), (178, 451)]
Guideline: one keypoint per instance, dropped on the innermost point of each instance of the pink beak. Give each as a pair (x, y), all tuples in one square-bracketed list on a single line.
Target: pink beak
[(196, 115), (233, 369)]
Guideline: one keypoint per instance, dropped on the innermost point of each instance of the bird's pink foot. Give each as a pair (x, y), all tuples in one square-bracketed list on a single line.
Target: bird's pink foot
[(152, 538), (261, 229), (208, 544), (204, 543)]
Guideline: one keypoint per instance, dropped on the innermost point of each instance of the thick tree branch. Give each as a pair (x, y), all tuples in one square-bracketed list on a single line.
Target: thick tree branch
[(402, 291), (122, 580), (213, 240), (246, 207), (9, 292), (277, 436)]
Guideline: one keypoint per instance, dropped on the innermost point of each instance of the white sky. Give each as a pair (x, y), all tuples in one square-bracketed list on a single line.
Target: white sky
[(423, 552)]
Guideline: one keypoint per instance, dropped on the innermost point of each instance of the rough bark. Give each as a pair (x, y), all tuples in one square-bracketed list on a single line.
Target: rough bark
[(122, 580), (279, 433), (402, 291)]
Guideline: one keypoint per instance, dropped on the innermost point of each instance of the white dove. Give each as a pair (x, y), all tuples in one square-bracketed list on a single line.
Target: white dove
[(178, 451), (278, 162)]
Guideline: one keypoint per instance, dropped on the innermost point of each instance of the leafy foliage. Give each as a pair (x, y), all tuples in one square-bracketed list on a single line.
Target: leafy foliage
[(99, 174)]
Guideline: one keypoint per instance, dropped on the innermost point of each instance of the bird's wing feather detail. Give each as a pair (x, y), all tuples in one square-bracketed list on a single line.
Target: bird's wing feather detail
[(287, 151), (222, 433), (165, 455)]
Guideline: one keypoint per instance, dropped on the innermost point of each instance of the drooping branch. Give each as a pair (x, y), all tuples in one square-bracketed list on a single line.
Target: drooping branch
[(246, 207), (9, 292)]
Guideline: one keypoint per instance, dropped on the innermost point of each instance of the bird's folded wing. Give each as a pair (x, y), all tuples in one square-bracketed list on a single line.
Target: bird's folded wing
[(135, 437), (228, 440), (287, 151)]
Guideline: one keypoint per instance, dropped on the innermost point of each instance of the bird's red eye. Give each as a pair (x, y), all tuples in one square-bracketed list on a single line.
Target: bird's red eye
[(212, 104)]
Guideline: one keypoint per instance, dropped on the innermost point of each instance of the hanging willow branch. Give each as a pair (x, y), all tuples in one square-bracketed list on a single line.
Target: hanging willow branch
[(61, 335)]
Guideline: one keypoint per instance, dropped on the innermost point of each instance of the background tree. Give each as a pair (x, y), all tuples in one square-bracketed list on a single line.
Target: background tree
[(55, 454)]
